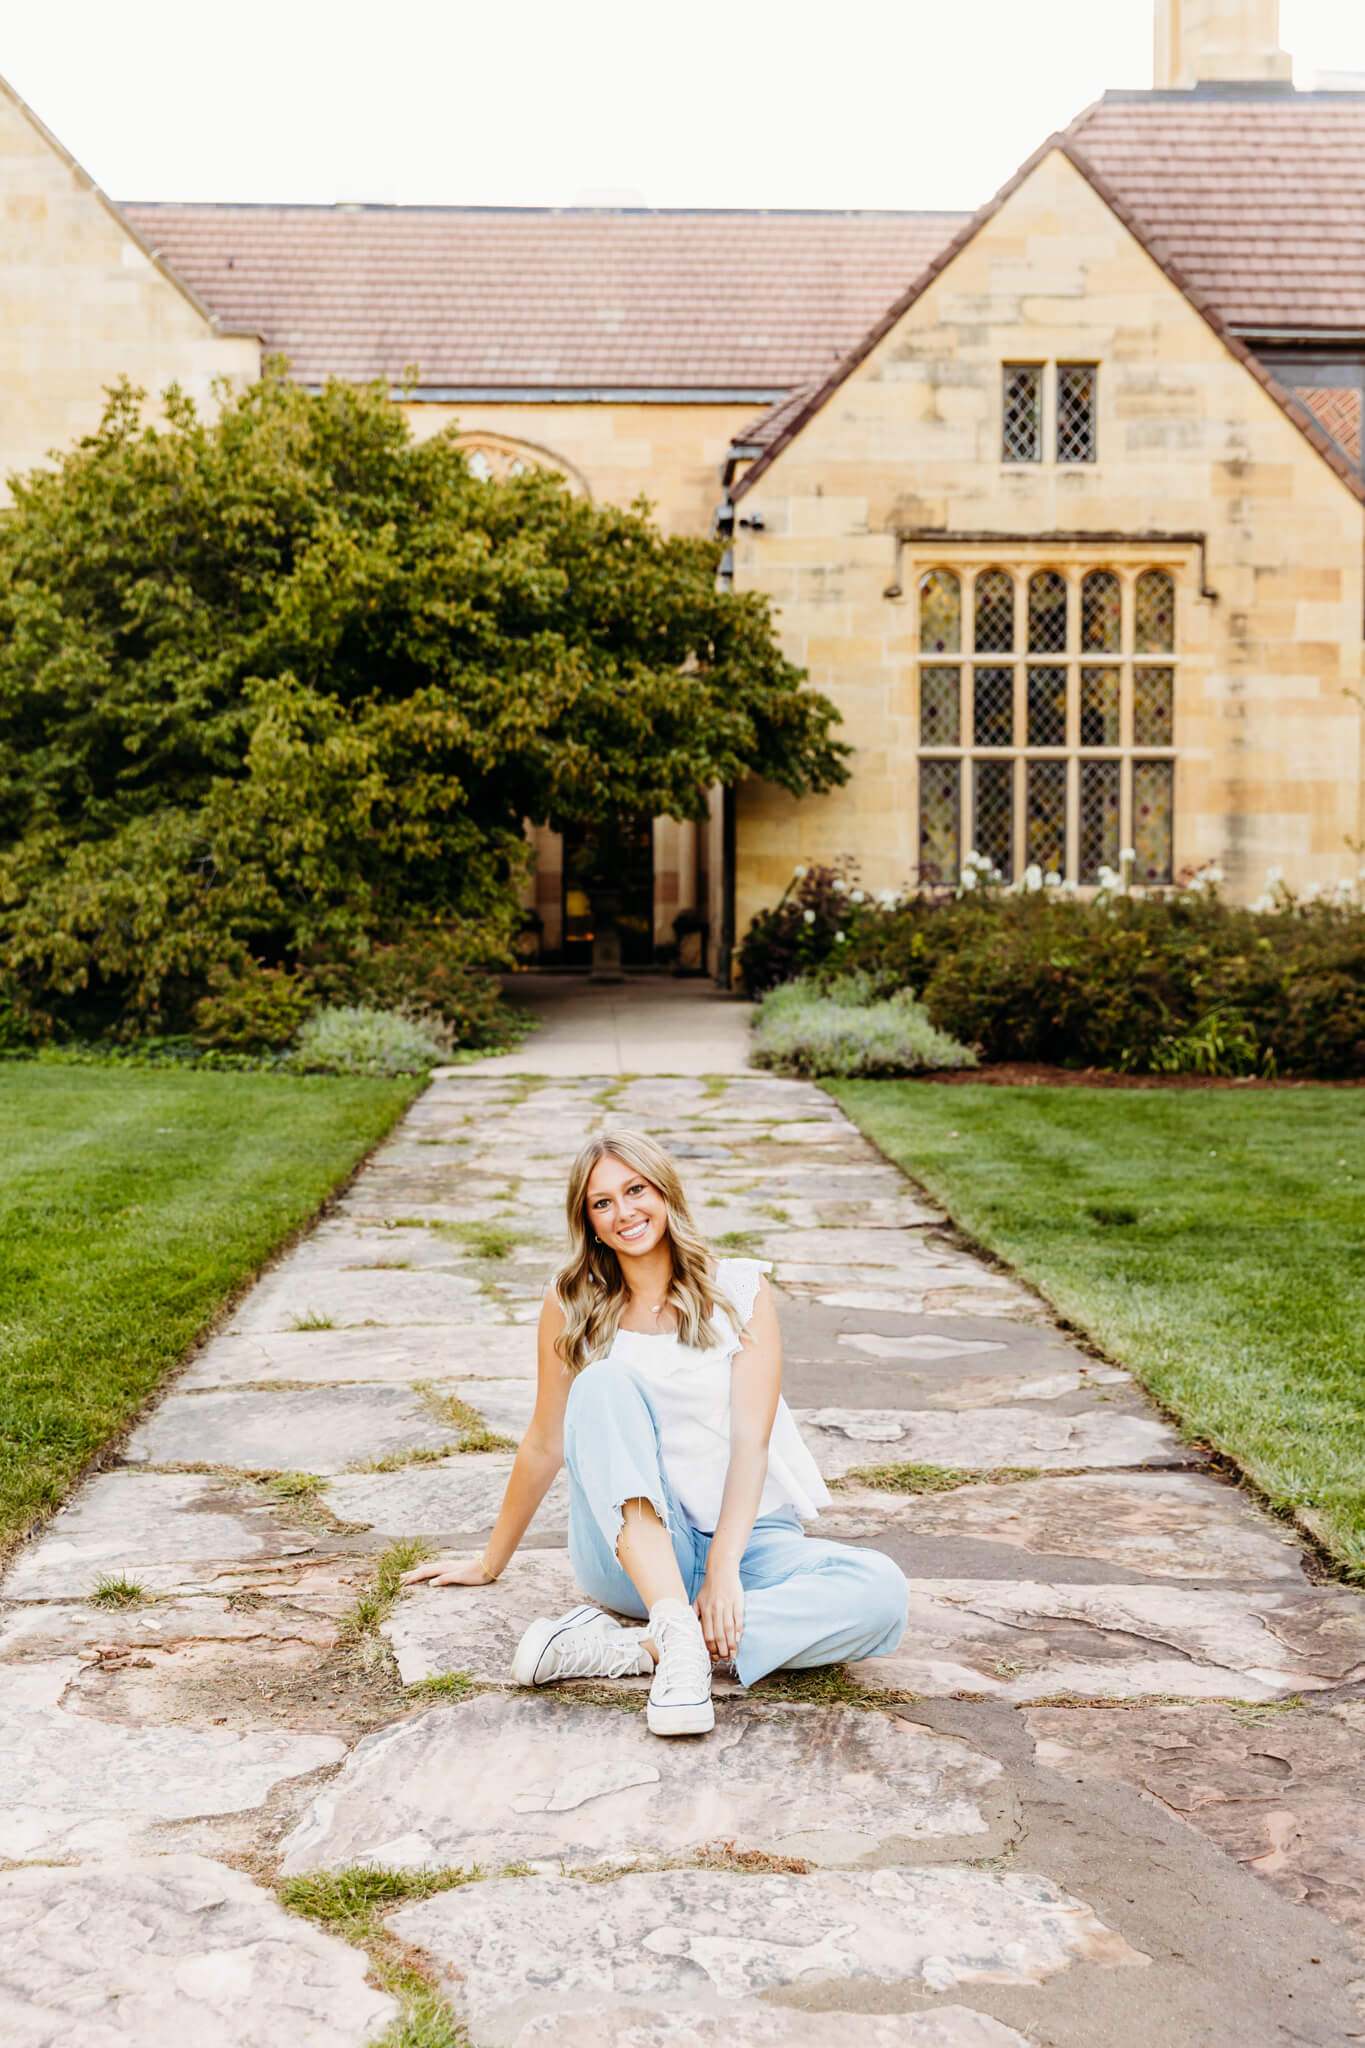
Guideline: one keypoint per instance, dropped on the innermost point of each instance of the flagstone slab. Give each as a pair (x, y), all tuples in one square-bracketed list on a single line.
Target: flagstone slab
[(530, 1778), (269, 1604), (1179, 1525), (1025, 1640), (1281, 1792), (459, 1496), (151, 1527), (844, 1439), (476, 1629), (751, 2025), (325, 1357), (157, 1951), (926, 1350), (286, 1299), (514, 1948), (309, 1429), (74, 1785)]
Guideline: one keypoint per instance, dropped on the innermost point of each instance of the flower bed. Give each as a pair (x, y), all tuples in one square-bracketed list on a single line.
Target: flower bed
[(1175, 982)]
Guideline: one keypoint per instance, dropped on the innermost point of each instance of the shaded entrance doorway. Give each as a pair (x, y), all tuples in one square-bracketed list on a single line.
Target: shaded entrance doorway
[(613, 861)]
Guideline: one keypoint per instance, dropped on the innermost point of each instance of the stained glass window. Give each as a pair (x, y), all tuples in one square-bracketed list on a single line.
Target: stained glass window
[(1154, 613), (1100, 707), (940, 612), (993, 707), (994, 612), (1047, 613), (1153, 791), (939, 783), (1099, 818), (993, 814), (1022, 438), (1076, 412), (1047, 707), (940, 707), (1153, 706), (1101, 613), (1046, 824)]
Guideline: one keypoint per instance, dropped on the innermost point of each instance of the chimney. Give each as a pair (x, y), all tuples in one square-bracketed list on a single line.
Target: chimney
[(1219, 42)]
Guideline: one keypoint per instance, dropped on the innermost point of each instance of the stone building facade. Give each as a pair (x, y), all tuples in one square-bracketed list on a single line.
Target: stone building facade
[(1062, 503)]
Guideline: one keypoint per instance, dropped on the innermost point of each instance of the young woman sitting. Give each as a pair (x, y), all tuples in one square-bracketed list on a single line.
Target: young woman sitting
[(660, 1387)]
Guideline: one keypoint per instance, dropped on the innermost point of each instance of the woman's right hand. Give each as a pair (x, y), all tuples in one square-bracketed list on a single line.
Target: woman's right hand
[(471, 1572)]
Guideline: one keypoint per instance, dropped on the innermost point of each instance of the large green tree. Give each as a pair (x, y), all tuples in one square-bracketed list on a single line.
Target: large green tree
[(287, 682)]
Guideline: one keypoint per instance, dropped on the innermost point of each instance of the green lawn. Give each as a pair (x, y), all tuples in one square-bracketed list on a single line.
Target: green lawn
[(132, 1203), (1212, 1241)]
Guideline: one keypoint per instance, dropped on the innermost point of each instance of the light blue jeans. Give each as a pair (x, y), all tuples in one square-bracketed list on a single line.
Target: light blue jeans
[(805, 1601)]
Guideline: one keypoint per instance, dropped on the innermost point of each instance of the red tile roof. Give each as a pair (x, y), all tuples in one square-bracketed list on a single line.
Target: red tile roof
[(512, 299), (1337, 411), (1260, 201)]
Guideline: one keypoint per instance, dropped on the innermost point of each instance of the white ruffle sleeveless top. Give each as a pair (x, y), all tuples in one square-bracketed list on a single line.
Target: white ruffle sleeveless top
[(690, 1394)]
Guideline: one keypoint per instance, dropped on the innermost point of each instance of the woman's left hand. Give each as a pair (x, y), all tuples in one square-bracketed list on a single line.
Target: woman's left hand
[(720, 1610)]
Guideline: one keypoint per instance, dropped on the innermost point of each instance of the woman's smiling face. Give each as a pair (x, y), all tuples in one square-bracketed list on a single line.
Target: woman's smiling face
[(624, 1209)]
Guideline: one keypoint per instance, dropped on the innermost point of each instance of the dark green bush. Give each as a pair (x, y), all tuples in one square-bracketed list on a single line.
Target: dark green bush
[(255, 1009), (1179, 982), (438, 971)]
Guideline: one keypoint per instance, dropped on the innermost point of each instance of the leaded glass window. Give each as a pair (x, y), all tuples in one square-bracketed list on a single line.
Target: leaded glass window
[(1047, 707), (1153, 706), (1154, 607), (1100, 706), (939, 809), (1022, 436), (1099, 818), (993, 814), (1153, 792), (1045, 840), (993, 707), (1047, 743), (994, 612), (940, 706), (940, 612), (1101, 613), (1076, 428), (1047, 613)]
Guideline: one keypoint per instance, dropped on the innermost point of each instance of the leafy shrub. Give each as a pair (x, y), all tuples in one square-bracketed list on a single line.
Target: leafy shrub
[(1175, 982), (442, 971), (801, 1028), (254, 1010), (345, 1039)]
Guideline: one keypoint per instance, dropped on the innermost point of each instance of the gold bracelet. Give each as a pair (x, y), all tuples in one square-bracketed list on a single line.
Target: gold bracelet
[(489, 1578)]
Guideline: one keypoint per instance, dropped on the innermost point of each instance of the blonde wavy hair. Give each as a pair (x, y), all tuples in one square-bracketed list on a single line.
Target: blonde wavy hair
[(590, 1284)]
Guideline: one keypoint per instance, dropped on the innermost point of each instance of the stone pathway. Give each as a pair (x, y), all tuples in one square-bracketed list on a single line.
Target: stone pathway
[(1110, 1790)]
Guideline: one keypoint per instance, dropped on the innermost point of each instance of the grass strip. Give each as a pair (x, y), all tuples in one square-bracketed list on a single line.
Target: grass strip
[(133, 1204), (1212, 1241), (351, 1903), (931, 1478)]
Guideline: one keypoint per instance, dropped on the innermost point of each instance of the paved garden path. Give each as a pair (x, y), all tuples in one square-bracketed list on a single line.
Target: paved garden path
[(1110, 1790)]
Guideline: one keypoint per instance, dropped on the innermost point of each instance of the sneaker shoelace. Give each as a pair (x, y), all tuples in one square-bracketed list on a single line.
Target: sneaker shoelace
[(597, 1653), (684, 1660)]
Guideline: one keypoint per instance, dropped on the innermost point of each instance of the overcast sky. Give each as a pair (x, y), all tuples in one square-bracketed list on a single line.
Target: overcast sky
[(896, 103)]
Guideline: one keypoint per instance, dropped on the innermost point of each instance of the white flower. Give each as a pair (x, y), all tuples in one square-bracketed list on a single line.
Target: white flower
[(838, 938), (1052, 880), (857, 897), (1033, 876), (1105, 877), (1346, 887), (968, 880), (1263, 903), (887, 899), (799, 874), (1273, 877), (839, 886), (1128, 853), (809, 916)]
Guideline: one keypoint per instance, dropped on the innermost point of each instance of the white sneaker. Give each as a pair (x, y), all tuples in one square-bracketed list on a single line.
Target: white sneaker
[(680, 1697), (584, 1643)]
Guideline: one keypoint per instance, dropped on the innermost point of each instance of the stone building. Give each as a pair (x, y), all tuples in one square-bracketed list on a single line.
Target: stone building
[(1062, 502)]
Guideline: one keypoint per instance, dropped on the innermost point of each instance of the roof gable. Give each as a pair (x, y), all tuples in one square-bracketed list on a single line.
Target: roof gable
[(795, 418)]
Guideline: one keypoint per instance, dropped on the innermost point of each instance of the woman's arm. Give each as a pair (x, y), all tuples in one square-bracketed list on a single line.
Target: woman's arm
[(755, 1387), (539, 1457)]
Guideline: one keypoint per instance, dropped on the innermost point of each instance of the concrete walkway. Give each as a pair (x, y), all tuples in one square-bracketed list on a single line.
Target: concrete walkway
[(648, 1024), (1108, 1794)]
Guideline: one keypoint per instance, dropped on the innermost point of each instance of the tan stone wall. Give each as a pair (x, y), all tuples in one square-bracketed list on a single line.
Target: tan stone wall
[(670, 454), (1267, 726), (83, 304)]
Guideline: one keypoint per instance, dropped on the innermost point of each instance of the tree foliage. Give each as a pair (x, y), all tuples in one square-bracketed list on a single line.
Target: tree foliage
[(285, 684)]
